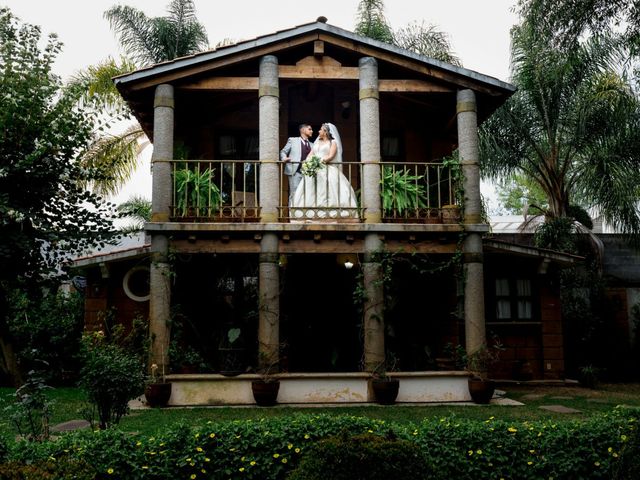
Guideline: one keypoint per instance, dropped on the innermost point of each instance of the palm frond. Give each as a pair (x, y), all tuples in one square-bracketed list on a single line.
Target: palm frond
[(96, 83), (113, 158), (135, 33), (426, 40)]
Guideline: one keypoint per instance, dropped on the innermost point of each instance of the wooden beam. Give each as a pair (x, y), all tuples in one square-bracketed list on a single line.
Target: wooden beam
[(318, 73), (450, 77), (413, 86), (249, 54), (318, 48), (222, 83)]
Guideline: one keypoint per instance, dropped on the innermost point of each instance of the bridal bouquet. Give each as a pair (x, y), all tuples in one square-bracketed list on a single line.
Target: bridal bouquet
[(310, 167)]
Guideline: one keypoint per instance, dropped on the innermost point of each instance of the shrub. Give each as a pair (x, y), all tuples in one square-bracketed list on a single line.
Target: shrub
[(48, 329), (272, 449), (111, 377), (31, 411), (361, 457), (48, 471)]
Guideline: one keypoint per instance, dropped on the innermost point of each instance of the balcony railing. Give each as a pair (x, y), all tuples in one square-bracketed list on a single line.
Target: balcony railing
[(228, 191)]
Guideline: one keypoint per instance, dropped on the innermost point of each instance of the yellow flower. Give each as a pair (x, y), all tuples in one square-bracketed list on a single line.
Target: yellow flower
[(212, 435), (297, 450), (276, 455), (512, 430), (615, 455), (284, 460), (623, 438), (479, 452), (145, 467), (193, 476), (306, 436), (252, 463), (110, 471), (242, 459), (529, 463), (207, 459), (289, 446), (241, 469), (203, 470), (532, 451), (370, 431), (199, 449), (138, 444), (470, 452), (597, 464), (196, 435), (609, 449)]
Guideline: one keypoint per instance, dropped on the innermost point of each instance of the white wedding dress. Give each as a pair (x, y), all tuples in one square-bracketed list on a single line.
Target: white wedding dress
[(327, 196)]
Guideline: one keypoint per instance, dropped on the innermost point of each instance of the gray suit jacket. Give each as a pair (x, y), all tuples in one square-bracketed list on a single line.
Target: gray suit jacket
[(292, 149)]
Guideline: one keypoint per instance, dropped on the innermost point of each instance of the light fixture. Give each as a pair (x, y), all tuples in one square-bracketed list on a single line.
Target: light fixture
[(348, 265)]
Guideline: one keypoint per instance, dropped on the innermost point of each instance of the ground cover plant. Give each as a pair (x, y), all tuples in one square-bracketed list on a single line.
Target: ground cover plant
[(448, 447), (457, 442)]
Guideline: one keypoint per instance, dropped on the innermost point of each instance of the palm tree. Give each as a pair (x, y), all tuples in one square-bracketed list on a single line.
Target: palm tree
[(145, 40), (153, 40), (424, 39), (371, 21), (572, 127), (138, 210)]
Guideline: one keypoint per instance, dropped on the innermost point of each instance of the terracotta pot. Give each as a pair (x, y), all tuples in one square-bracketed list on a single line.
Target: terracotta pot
[(265, 393), (481, 391), (385, 390), (451, 214), (157, 394)]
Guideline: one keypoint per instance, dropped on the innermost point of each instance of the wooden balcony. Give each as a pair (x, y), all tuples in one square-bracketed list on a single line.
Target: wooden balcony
[(212, 191)]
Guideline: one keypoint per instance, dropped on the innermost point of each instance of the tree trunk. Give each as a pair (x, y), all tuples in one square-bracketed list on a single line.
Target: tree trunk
[(9, 363)]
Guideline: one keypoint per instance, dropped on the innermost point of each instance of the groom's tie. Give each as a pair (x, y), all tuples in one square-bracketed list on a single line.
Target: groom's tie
[(304, 151)]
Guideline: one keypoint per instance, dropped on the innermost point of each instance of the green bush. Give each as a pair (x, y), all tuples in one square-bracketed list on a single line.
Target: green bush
[(272, 449), (47, 329), (47, 471), (111, 376), (361, 457)]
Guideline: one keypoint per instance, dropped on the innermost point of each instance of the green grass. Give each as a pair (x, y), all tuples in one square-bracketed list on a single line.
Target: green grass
[(69, 403)]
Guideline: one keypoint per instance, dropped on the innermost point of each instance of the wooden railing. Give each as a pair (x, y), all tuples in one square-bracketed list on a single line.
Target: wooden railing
[(228, 191)]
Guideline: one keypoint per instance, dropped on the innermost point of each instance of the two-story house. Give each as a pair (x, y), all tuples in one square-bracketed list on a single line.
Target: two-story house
[(230, 269)]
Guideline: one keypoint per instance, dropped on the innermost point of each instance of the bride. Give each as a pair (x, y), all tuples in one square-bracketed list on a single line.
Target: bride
[(328, 194)]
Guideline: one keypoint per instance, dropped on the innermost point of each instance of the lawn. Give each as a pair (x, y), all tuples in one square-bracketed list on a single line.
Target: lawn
[(70, 401)]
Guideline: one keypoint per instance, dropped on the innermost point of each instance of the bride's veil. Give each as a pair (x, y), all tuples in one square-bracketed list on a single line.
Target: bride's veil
[(336, 136)]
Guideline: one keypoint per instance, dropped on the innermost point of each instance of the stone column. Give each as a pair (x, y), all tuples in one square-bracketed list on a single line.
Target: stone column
[(269, 298), (159, 275), (474, 321), (370, 139), (269, 98), (374, 353), (468, 150)]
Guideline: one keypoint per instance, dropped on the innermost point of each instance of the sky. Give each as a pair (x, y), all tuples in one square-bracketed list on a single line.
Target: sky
[(478, 32)]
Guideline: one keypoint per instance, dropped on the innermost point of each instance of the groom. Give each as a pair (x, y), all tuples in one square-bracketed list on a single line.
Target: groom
[(294, 153)]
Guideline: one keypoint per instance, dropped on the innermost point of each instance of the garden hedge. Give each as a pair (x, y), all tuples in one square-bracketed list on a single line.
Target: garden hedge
[(602, 446)]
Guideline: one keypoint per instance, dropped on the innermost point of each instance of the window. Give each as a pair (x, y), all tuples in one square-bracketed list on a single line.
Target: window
[(391, 146), (513, 299)]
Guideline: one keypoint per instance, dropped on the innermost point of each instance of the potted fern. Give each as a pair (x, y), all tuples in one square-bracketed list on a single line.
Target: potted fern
[(403, 194), (196, 193)]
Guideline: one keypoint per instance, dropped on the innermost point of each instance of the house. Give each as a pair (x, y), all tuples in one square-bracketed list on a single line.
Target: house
[(233, 274)]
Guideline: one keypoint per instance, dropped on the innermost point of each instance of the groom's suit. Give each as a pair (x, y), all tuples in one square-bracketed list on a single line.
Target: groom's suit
[(297, 152)]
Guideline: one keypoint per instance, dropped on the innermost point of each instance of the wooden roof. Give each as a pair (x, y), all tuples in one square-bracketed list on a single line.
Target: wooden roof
[(315, 51)]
